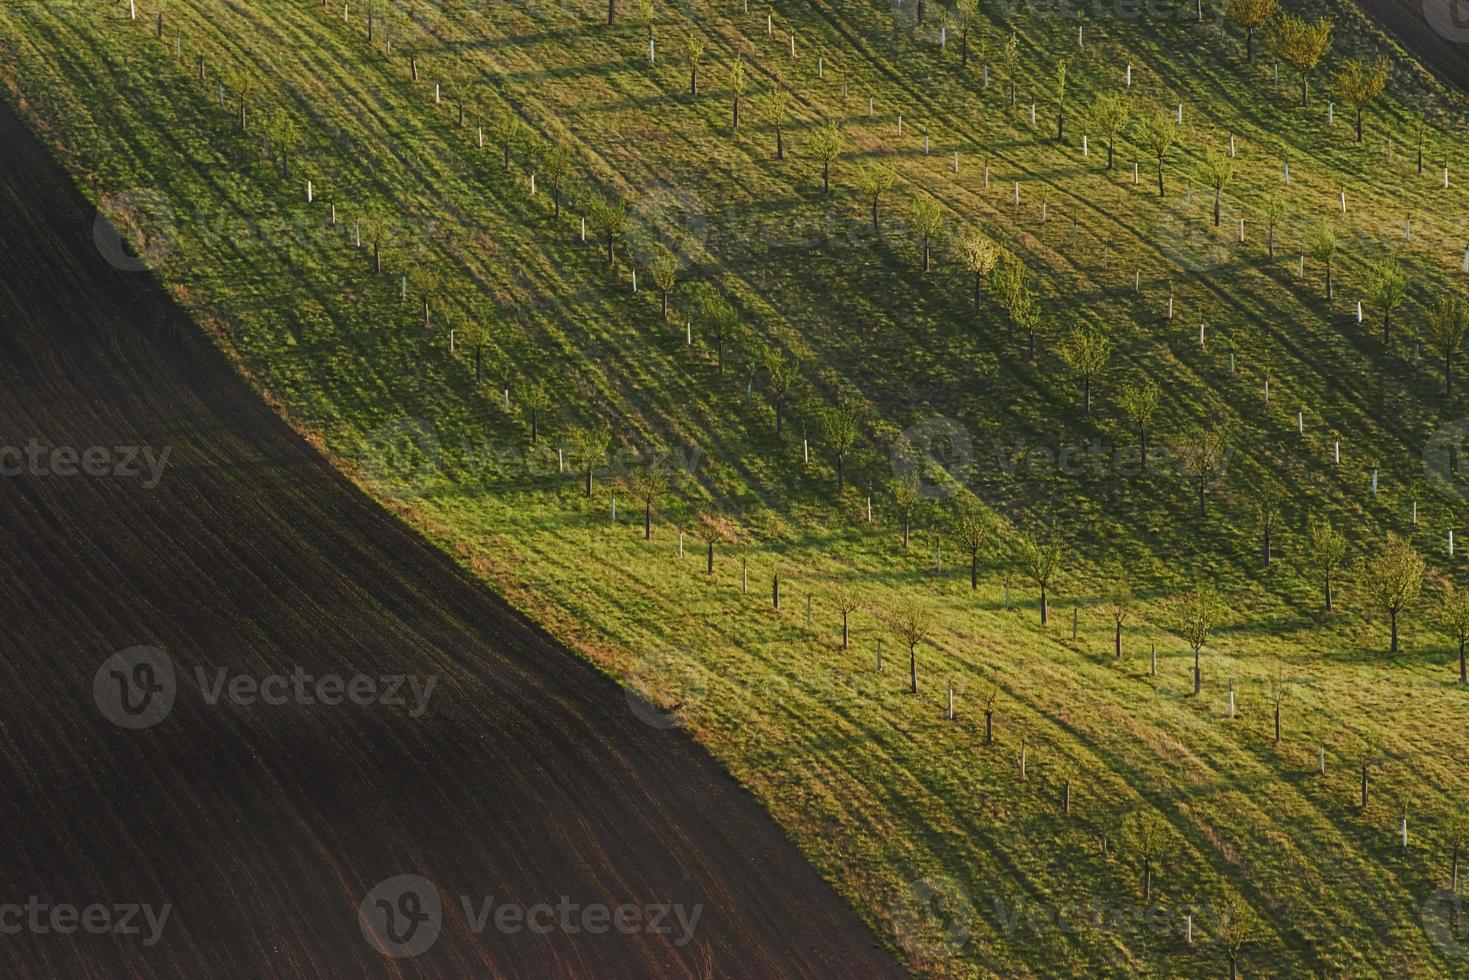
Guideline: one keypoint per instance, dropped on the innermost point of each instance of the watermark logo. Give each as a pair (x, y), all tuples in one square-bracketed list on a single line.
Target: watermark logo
[(1445, 458), (936, 453), (403, 455), (133, 229), (1448, 18), (1189, 239), (122, 462), (1444, 923), (135, 688), (662, 683), (401, 917), (672, 217), (933, 917)]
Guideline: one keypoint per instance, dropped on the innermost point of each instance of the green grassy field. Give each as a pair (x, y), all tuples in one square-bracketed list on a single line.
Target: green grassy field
[(933, 835)]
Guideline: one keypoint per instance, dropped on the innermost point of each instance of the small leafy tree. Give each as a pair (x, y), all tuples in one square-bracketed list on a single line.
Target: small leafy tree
[(694, 47), (609, 217), (989, 694), (839, 432), (1386, 289), (1275, 212), (1157, 134), (1039, 556), (1277, 688), (647, 485), (911, 623), (1011, 58), (1359, 83), (777, 107), (1252, 15), (1456, 836), (1110, 114), (1237, 926), (979, 255), (1085, 354), (1139, 403), (966, 12), (927, 221), (1453, 615), (426, 283), (1326, 548), (1199, 612), (783, 373), (1323, 247), (1119, 603), (720, 322), (283, 135), (873, 180), (535, 401), (906, 495), (556, 167), (1392, 579), (1218, 172), (506, 128), (1443, 333), (1301, 44), (1202, 453), (1267, 515), (1060, 83), (738, 83), (972, 526), (1146, 835), (664, 267), (826, 144)]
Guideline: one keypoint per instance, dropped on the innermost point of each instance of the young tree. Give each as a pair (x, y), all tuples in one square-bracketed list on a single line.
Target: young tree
[(1146, 834), (927, 221), (1218, 172), (1419, 133), (972, 526), (1275, 211), (1119, 602), (1011, 58), (777, 106), (989, 694), (1039, 557), (1202, 452), (1157, 134), (737, 85), (979, 255), (1110, 114), (664, 267), (1277, 688), (906, 495), (1392, 579), (610, 218), (694, 47), (1323, 246), (1326, 548), (1453, 616), (425, 282), (847, 601), (1085, 354), (1456, 836), (1199, 612), (1301, 44), (720, 322), (912, 624), (1061, 100), (1267, 514), (283, 135), (535, 401), (1359, 83), (589, 446), (839, 432), (713, 529), (1386, 289), (783, 374), (556, 167), (647, 485), (506, 128), (875, 179), (966, 12), (1237, 927), (826, 143), (1139, 402), (1252, 15), (1443, 333)]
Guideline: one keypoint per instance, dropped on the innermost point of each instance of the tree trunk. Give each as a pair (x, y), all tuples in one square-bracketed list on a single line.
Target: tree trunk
[(1270, 241), (1359, 124), (905, 529), (1142, 442), (694, 80), (709, 567), (1267, 546), (589, 481), (1198, 674), (1305, 92), (1117, 642), (1086, 389), (844, 630), (647, 521), (826, 177), (913, 668), (611, 253), (973, 571), (1386, 320), (1110, 150), (1463, 673), (1364, 784), (377, 258), (780, 144), (1277, 724), (736, 113), (1160, 177), (665, 304), (964, 49), (1328, 592), (1394, 616), (779, 417), (1147, 879), (611, 12), (1044, 616), (927, 253), (977, 278), (1329, 290), (989, 731), (841, 474), (875, 229), (1217, 192), (1201, 497), (1249, 44)]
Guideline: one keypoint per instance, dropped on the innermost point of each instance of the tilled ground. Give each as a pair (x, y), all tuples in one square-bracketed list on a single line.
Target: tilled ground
[(526, 780)]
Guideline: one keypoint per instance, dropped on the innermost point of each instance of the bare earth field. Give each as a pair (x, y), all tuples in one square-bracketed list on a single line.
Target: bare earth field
[(526, 779)]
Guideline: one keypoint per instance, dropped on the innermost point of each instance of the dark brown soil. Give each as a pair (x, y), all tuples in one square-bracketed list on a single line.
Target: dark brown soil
[(528, 779), (1443, 50)]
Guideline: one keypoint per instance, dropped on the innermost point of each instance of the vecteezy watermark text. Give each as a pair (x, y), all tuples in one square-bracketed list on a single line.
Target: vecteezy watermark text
[(122, 462), (402, 917), (136, 688), (41, 918)]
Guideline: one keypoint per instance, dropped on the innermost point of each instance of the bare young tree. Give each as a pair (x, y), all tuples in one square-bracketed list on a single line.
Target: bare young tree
[(1119, 603), (713, 529), (1267, 515), (589, 446), (1202, 452), (1277, 688), (1146, 834), (1218, 171), (647, 485), (847, 602), (989, 694), (911, 622), (1323, 246)]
